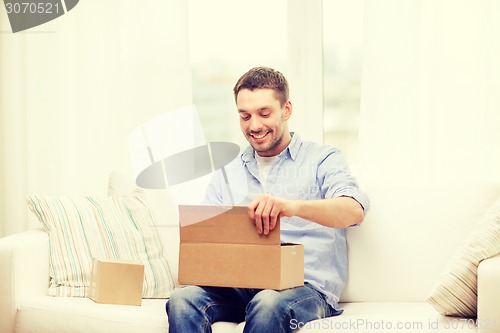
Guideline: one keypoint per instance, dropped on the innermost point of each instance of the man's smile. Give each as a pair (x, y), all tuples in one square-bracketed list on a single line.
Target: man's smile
[(259, 137)]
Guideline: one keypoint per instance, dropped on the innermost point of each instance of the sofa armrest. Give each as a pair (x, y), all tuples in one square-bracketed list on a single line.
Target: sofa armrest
[(24, 269), (488, 295)]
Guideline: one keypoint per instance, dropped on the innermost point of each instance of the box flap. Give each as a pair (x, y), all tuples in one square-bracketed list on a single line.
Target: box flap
[(221, 224)]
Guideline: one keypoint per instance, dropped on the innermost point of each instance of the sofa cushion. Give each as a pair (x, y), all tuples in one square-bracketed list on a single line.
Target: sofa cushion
[(408, 317), (408, 237), (456, 292), (81, 228), (82, 315), (43, 314)]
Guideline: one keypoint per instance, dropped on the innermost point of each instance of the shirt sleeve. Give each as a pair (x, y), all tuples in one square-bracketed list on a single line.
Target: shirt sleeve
[(335, 179)]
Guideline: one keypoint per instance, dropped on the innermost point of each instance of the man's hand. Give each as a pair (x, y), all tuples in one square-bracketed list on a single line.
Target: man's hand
[(340, 212), (265, 211)]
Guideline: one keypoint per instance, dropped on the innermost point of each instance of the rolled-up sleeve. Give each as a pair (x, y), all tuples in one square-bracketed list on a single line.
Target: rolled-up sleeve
[(335, 179)]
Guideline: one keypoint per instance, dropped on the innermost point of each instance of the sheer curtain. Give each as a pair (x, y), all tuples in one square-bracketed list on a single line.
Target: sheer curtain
[(73, 89), (429, 138), (430, 109)]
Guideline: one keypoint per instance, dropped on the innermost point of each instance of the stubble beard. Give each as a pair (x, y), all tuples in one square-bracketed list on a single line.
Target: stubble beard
[(272, 145)]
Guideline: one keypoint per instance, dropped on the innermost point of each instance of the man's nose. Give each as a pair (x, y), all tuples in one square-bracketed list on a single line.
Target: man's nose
[(255, 124)]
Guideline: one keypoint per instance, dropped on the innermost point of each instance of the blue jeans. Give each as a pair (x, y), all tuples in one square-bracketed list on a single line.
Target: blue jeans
[(193, 309)]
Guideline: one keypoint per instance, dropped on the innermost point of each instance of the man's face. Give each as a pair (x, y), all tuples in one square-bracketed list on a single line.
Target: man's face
[(263, 120)]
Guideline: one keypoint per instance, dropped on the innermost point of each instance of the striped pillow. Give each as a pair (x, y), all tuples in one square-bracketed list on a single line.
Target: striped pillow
[(456, 292), (109, 228)]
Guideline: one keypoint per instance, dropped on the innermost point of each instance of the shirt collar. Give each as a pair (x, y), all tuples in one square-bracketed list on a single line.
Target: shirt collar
[(291, 150)]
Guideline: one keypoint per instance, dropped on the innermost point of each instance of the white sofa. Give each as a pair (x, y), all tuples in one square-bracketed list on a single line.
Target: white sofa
[(395, 258)]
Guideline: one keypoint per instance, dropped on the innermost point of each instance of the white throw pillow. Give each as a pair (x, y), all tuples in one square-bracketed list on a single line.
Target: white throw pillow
[(117, 227), (455, 294)]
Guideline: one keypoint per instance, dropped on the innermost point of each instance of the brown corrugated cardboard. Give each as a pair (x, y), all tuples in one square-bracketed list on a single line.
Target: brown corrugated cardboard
[(220, 247), (116, 282)]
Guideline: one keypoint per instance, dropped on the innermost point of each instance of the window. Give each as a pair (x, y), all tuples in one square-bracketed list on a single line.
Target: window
[(227, 38), (342, 60)]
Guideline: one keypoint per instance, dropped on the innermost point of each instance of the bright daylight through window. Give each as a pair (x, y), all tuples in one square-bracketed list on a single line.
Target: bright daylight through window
[(342, 60), (226, 38), (243, 35)]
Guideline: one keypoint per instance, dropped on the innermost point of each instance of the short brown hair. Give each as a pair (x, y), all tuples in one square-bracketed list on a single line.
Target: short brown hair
[(264, 78)]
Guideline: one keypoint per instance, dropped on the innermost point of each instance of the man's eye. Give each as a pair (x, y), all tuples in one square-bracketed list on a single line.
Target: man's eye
[(245, 117), (265, 115)]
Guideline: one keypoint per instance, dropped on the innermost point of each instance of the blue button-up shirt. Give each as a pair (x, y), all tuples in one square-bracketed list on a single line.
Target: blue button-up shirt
[(304, 170)]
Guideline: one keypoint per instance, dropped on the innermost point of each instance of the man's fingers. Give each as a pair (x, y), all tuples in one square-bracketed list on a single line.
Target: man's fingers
[(251, 209), (255, 213), (274, 217), (264, 211)]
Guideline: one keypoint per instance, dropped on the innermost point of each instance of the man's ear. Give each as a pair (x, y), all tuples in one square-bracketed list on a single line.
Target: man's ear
[(288, 110)]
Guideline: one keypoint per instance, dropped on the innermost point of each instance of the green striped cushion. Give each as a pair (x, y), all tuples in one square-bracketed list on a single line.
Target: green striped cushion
[(108, 228), (455, 294)]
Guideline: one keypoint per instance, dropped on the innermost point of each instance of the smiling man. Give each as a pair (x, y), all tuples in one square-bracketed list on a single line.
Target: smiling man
[(307, 187), (263, 120)]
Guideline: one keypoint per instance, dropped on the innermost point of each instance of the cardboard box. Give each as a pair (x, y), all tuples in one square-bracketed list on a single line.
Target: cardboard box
[(116, 282), (219, 246)]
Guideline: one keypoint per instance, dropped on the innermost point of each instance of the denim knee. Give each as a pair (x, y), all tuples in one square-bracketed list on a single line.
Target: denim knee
[(267, 310), (273, 311), (183, 299), (267, 301), (185, 311)]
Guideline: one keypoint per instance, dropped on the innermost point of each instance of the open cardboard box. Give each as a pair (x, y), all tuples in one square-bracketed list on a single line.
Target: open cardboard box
[(219, 246)]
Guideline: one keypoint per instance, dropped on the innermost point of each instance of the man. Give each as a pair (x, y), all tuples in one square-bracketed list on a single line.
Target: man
[(308, 186)]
